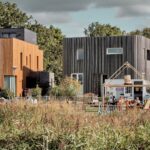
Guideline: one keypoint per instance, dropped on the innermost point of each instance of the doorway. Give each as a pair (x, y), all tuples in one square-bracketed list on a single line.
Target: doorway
[(99, 79), (138, 92)]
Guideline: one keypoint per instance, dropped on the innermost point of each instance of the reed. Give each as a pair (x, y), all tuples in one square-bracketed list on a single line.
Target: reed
[(64, 126)]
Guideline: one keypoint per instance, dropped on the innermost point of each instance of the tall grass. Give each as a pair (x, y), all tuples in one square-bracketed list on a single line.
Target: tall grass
[(61, 126)]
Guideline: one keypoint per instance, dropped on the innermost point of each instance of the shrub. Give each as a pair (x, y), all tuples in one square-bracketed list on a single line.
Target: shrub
[(36, 92), (68, 87), (6, 93), (56, 91)]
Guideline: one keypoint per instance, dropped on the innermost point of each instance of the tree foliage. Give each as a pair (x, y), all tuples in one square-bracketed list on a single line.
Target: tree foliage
[(11, 16), (145, 32), (49, 39), (97, 29), (68, 87)]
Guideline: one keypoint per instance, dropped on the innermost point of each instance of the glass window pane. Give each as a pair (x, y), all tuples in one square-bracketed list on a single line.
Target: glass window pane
[(74, 76), (12, 35), (80, 54), (114, 51), (80, 78), (10, 83), (13, 84), (5, 35), (128, 90), (7, 82)]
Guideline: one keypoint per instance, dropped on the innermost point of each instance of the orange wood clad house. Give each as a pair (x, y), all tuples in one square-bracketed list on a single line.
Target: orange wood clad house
[(18, 59)]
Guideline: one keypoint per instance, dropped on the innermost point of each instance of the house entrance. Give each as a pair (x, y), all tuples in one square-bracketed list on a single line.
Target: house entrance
[(98, 80), (138, 90)]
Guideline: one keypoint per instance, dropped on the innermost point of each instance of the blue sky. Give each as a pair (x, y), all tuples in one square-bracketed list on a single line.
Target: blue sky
[(73, 16)]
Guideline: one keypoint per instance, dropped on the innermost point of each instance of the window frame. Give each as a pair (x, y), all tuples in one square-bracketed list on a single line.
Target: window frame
[(80, 54), (77, 77), (113, 48)]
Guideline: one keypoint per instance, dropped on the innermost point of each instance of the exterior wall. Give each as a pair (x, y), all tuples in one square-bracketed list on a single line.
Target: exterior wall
[(11, 49), (30, 36), (6, 59), (97, 63)]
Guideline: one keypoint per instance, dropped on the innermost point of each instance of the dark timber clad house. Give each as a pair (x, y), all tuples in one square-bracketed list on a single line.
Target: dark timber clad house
[(96, 58)]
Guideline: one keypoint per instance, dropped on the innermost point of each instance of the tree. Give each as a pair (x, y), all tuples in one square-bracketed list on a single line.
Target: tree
[(50, 40), (136, 32), (97, 29), (11, 16), (145, 32)]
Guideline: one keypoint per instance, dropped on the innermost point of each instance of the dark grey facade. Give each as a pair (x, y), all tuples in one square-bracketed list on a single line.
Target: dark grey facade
[(19, 33), (98, 64)]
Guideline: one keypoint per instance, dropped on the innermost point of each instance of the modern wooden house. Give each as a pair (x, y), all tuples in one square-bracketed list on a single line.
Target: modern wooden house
[(18, 58), (94, 59)]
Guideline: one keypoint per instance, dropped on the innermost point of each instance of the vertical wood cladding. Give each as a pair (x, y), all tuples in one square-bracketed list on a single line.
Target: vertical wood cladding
[(96, 61), (11, 51)]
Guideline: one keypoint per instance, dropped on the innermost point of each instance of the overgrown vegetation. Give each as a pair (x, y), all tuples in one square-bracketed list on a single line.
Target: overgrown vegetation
[(6, 93), (62, 126), (36, 92), (68, 87)]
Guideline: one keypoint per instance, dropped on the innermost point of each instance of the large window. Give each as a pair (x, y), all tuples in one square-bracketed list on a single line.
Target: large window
[(80, 54), (10, 83), (114, 51), (78, 77)]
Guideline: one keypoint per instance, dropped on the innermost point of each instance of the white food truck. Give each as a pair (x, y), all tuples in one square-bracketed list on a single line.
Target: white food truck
[(138, 88)]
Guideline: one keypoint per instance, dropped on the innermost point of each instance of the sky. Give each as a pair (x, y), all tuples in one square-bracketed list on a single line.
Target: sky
[(73, 16)]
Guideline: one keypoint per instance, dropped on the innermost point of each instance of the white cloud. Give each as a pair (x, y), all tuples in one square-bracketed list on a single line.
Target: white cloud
[(74, 5), (134, 11), (48, 18), (58, 11)]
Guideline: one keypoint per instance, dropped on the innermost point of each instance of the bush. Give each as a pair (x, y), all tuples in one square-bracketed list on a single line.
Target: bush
[(56, 91), (36, 92), (68, 87), (6, 93)]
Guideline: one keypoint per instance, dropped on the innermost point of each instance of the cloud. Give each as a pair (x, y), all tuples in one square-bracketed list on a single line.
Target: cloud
[(74, 5), (59, 10), (134, 11), (51, 17)]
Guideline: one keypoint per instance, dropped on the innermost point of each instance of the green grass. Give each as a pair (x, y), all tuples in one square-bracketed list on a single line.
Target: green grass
[(63, 126)]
